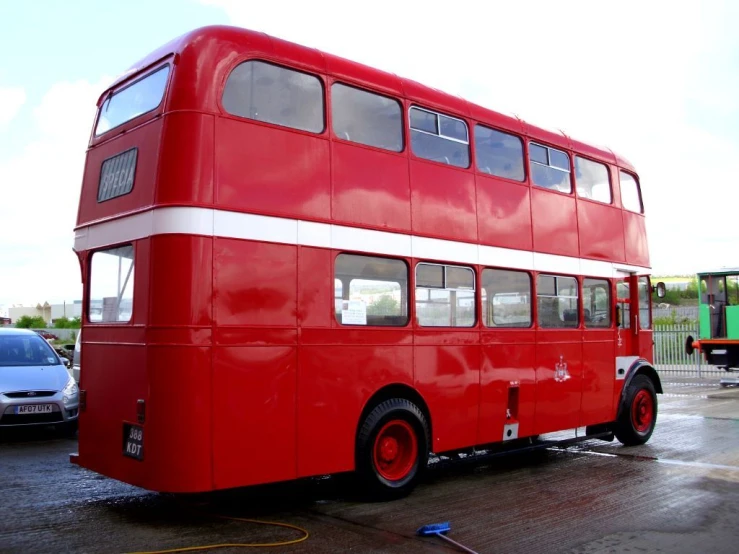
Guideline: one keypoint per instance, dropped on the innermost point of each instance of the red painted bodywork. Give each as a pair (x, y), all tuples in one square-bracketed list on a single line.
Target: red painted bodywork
[(233, 344)]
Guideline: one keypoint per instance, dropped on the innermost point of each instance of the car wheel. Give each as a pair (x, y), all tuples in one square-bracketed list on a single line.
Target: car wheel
[(392, 449), (637, 420)]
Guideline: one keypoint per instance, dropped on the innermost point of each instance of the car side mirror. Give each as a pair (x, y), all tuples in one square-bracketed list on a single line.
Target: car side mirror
[(65, 361), (660, 289)]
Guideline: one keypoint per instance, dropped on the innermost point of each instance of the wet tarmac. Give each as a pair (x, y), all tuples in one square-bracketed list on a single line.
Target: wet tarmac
[(677, 493)]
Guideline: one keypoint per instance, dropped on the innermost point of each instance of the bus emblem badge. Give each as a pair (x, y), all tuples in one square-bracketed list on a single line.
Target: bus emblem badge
[(560, 371)]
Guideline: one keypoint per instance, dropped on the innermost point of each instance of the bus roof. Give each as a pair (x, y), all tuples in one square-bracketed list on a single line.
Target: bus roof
[(200, 42), (720, 272)]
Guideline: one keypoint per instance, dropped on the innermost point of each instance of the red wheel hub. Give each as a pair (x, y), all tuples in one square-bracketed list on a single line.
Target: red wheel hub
[(395, 450), (642, 411)]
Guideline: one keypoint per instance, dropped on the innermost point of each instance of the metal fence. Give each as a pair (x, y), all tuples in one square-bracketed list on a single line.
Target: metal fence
[(670, 357)]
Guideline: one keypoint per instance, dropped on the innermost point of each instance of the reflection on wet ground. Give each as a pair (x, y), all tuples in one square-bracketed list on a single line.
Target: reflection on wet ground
[(677, 493)]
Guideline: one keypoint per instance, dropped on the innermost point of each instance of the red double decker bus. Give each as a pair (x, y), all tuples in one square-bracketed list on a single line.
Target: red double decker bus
[(296, 265)]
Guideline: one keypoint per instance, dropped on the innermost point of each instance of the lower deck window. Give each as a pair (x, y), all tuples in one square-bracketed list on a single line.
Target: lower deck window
[(445, 296), (111, 285), (556, 299), (370, 291)]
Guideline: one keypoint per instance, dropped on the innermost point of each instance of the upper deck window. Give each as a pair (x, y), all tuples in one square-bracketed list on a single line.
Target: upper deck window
[(136, 99), (592, 180), (630, 193), (439, 137), (366, 118), (274, 94), (550, 168), (499, 153)]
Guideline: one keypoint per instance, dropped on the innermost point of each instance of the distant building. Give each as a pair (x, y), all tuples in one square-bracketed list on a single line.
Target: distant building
[(50, 312)]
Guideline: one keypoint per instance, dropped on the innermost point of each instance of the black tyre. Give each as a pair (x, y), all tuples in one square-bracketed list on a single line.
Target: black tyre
[(392, 449), (639, 416)]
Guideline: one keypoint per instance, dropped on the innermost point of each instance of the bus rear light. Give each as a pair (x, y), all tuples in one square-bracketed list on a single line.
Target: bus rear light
[(83, 400), (141, 410)]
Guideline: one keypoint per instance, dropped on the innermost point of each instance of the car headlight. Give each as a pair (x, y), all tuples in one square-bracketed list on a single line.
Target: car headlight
[(71, 393)]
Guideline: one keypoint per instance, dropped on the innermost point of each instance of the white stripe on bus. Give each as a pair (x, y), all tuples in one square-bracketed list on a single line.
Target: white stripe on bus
[(220, 223)]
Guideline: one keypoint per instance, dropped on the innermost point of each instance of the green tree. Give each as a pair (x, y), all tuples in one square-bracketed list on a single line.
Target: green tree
[(66, 323), (385, 305), (28, 322)]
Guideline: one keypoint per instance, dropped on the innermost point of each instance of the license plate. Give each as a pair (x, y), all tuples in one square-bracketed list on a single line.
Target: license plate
[(133, 441), (34, 409)]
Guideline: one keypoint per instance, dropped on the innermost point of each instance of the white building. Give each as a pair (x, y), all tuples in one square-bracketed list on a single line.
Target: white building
[(50, 312)]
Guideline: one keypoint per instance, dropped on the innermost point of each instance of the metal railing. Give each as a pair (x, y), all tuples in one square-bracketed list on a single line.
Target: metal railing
[(670, 357)]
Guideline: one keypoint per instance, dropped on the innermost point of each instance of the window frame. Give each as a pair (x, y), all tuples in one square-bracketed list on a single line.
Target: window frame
[(638, 191), (531, 303), (103, 249), (237, 117), (501, 131), (608, 174), (609, 292), (335, 135), (444, 287), (578, 299), (439, 134), (120, 87), (404, 295), (549, 165)]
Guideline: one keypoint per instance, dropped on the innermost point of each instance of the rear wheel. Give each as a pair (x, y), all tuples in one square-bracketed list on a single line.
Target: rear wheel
[(392, 448), (636, 422)]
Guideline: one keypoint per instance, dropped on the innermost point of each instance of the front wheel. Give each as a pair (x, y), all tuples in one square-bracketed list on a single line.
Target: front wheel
[(636, 423), (392, 449)]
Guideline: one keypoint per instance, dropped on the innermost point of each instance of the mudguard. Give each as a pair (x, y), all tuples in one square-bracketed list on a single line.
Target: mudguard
[(639, 367)]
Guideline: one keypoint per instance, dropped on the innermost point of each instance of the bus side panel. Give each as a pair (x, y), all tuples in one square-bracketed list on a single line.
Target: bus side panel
[(253, 415), (508, 359), (555, 230), (443, 201), (370, 188), (599, 374), (177, 433), (601, 230), (255, 173), (635, 237), (114, 378), (315, 290), (181, 288), (186, 166), (558, 379), (503, 213), (447, 374), (337, 376), (255, 284)]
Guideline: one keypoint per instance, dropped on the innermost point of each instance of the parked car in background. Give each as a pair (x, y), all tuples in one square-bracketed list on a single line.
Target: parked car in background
[(36, 386), (46, 335)]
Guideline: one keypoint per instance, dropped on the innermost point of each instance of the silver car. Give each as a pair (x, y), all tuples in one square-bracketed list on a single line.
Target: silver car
[(36, 387)]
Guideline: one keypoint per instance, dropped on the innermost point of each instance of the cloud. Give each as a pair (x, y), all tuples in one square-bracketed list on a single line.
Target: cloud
[(11, 101), (629, 78), (40, 194)]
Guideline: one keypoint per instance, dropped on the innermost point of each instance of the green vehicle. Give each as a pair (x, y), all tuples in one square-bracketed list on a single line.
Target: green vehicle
[(719, 320)]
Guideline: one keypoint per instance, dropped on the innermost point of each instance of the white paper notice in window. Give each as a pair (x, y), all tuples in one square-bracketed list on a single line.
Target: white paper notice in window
[(354, 312)]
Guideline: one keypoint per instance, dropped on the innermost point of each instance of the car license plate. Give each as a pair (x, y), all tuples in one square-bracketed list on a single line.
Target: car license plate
[(34, 409), (133, 441)]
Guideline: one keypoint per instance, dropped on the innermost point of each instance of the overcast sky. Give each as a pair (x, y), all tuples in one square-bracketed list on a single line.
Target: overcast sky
[(656, 81)]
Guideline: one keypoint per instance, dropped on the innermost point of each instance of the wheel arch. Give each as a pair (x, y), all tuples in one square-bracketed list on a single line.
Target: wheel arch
[(395, 390), (639, 367)]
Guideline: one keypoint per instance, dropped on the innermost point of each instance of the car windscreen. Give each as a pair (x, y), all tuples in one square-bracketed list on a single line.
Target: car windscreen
[(26, 350), (138, 98)]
